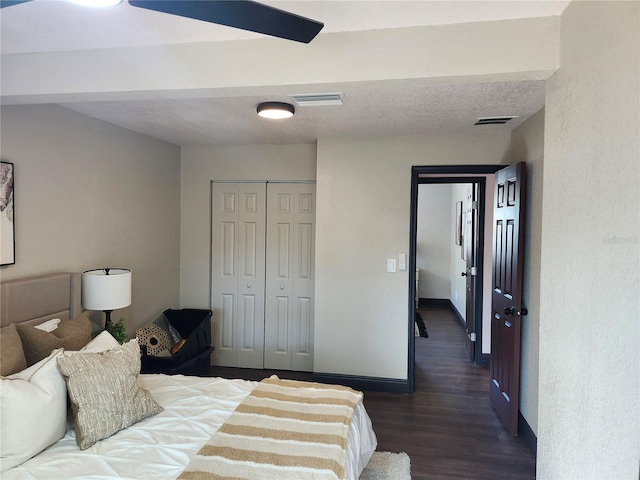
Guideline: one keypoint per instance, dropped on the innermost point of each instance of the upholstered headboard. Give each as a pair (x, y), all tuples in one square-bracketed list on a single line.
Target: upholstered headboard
[(36, 299)]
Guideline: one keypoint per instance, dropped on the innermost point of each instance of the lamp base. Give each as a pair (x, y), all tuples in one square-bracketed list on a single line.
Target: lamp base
[(107, 321)]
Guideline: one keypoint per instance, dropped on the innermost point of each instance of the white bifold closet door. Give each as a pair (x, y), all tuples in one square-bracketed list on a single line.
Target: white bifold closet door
[(238, 276), (288, 336), (263, 250)]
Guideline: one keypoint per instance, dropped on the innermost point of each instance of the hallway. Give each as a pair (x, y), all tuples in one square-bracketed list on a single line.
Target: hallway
[(448, 426)]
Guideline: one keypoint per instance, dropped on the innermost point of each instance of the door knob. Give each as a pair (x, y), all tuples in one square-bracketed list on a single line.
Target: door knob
[(464, 274), (248, 285), (281, 287), (509, 310)]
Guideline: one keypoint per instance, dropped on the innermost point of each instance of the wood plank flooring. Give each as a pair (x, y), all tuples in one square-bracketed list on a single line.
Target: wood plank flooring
[(448, 426)]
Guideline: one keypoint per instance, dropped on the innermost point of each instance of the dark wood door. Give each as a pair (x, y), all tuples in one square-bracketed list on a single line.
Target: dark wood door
[(470, 245), (506, 301)]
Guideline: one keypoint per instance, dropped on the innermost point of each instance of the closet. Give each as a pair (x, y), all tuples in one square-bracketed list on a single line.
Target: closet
[(262, 274)]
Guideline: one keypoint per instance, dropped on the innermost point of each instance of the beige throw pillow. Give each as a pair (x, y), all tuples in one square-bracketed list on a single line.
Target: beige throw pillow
[(12, 357), (70, 335), (104, 392)]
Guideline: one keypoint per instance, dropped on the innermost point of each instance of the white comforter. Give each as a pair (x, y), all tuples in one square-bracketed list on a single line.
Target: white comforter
[(160, 447)]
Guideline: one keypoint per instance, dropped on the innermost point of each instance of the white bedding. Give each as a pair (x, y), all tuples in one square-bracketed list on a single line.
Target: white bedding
[(160, 447)]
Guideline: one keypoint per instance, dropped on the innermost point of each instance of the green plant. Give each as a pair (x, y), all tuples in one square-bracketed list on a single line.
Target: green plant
[(118, 330)]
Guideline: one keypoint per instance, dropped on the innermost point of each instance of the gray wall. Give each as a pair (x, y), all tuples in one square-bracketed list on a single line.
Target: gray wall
[(363, 191), (589, 289), (201, 165), (89, 194), (363, 207), (458, 290), (434, 240), (527, 145)]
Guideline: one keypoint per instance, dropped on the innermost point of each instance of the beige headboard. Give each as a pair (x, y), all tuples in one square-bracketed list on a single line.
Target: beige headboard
[(37, 299)]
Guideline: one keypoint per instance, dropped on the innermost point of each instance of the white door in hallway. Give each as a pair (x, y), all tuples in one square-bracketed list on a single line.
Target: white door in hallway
[(290, 276), (238, 273)]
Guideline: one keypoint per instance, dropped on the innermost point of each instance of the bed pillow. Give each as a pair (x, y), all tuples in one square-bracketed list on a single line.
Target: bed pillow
[(71, 335), (104, 392), (33, 411), (12, 357), (49, 325), (101, 343)]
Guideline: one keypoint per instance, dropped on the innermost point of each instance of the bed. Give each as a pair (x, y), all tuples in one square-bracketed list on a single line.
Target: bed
[(195, 418)]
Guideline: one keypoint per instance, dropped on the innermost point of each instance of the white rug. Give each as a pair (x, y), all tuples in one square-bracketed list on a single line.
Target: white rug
[(387, 466)]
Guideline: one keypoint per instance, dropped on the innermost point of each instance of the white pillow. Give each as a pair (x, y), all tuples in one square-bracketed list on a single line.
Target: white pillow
[(49, 325), (33, 411), (101, 343)]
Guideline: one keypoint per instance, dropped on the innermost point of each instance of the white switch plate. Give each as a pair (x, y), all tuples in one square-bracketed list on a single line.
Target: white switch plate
[(391, 265), (402, 262)]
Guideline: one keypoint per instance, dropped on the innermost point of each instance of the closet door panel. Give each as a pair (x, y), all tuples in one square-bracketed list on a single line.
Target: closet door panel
[(303, 281), (237, 273), (289, 276), (224, 210), (277, 348), (252, 212)]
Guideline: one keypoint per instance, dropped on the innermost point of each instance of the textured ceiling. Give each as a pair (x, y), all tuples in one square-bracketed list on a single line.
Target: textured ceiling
[(397, 111), (391, 108)]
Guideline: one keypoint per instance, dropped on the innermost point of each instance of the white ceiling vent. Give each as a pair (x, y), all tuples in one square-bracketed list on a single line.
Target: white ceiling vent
[(318, 99), (494, 120)]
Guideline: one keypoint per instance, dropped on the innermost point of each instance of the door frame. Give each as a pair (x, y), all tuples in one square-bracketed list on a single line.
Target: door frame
[(443, 174)]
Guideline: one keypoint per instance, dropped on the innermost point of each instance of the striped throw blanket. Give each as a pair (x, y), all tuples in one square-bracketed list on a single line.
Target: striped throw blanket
[(285, 430)]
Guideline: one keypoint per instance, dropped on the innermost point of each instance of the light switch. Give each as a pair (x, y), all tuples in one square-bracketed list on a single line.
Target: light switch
[(402, 262), (391, 265)]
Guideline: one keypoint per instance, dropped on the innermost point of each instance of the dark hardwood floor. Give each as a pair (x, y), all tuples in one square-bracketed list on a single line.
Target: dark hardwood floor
[(447, 426)]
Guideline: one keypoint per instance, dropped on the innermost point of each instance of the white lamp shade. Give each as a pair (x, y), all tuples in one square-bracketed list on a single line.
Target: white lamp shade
[(106, 292)]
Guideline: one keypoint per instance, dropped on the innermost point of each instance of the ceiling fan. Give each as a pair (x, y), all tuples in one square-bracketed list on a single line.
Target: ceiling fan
[(243, 14)]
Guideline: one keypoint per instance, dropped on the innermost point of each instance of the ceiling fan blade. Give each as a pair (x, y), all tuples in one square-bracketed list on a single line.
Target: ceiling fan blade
[(243, 14), (9, 3)]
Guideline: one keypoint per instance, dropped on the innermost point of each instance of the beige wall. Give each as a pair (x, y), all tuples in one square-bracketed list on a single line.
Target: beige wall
[(363, 208), (527, 145), (458, 290), (363, 189), (89, 194), (203, 164), (589, 283), (434, 239)]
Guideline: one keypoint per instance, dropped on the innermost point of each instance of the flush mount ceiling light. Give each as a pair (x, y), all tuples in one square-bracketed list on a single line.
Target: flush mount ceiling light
[(275, 110)]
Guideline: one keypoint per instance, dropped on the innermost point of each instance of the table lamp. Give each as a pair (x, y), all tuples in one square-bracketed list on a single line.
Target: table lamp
[(106, 289)]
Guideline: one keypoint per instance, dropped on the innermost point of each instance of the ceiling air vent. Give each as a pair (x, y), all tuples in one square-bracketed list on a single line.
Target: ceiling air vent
[(494, 120), (318, 99)]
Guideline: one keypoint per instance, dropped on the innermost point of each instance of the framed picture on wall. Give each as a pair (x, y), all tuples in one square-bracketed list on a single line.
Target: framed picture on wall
[(7, 229), (463, 223), (458, 232)]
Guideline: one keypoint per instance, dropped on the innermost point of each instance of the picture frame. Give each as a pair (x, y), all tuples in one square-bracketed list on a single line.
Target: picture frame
[(7, 214), (458, 231), (463, 247)]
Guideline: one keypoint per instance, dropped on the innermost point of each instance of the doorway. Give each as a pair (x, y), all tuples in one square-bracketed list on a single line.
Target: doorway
[(476, 268), (446, 251)]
